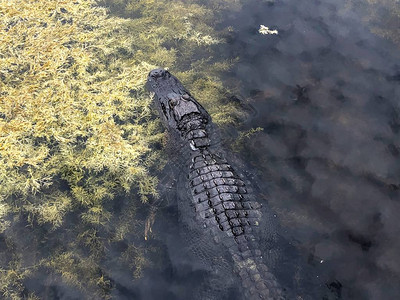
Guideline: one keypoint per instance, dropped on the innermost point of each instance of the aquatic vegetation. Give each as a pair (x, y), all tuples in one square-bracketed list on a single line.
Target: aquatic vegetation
[(382, 17), (79, 143), (180, 37), (244, 138)]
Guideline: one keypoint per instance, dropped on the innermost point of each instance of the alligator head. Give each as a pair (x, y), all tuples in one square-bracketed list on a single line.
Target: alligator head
[(172, 100)]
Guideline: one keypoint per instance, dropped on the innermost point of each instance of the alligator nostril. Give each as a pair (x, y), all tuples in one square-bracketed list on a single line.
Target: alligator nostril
[(157, 73)]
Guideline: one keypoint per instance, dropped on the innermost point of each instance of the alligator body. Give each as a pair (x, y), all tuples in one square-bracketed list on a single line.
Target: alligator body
[(220, 197)]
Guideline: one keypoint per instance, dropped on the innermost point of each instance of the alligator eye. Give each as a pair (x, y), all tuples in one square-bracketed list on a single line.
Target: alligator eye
[(173, 102), (173, 99)]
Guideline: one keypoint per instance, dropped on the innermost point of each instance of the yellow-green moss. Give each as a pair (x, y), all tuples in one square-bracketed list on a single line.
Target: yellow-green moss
[(77, 131), (244, 138)]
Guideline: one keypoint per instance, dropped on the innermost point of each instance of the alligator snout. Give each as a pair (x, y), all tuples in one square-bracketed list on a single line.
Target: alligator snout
[(157, 73)]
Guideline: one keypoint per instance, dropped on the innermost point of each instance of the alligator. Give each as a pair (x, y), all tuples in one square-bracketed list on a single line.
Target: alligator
[(219, 195)]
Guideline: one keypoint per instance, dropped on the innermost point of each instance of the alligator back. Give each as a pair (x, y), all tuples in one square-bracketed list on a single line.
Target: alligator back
[(222, 204), (224, 208)]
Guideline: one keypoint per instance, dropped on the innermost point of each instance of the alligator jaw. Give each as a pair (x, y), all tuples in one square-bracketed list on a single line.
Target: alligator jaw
[(173, 101)]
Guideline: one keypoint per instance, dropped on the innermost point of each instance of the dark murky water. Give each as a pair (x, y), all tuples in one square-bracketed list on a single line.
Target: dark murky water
[(326, 93)]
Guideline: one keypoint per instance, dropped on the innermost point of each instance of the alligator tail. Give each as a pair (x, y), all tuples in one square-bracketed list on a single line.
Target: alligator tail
[(221, 200), (257, 280)]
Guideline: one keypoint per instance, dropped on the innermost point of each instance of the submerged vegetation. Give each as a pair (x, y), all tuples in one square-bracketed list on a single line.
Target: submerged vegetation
[(79, 142), (382, 17)]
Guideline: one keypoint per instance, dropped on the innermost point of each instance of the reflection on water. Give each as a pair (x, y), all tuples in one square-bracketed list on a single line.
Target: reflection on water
[(326, 92)]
